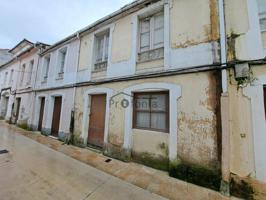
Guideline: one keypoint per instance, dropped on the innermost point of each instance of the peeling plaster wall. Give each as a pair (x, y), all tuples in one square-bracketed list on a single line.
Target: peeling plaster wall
[(197, 126), (243, 30), (241, 142), (122, 35), (67, 106), (191, 39), (202, 14), (248, 127), (26, 106)]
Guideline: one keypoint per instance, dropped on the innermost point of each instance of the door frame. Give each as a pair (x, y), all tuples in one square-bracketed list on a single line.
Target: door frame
[(51, 110), (4, 104), (18, 105), (86, 108), (60, 117), (39, 111)]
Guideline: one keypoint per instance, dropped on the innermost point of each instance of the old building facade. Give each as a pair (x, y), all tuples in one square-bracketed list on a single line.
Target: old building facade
[(19, 75), (54, 91), (177, 85), (184, 128)]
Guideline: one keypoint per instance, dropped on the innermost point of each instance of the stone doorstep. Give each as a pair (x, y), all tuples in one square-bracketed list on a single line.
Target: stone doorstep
[(150, 179)]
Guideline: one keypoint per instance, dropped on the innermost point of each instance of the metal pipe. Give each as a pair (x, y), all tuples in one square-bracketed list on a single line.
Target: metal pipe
[(223, 45)]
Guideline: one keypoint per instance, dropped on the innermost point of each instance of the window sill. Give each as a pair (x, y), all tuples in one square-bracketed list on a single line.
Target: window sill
[(99, 71), (152, 130), (151, 55), (150, 60), (60, 76), (100, 66)]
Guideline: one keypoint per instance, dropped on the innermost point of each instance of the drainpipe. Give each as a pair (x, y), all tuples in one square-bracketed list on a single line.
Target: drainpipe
[(224, 103), (33, 88), (223, 44)]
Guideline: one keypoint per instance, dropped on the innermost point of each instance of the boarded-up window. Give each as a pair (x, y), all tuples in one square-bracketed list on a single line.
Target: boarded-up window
[(151, 111), (152, 32)]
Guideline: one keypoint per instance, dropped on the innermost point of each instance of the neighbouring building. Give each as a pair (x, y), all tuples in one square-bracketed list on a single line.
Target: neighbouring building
[(54, 91), (5, 56), (244, 102), (19, 75)]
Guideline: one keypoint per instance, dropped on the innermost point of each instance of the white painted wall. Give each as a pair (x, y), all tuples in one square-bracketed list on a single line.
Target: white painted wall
[(70, 68), (256, 95)]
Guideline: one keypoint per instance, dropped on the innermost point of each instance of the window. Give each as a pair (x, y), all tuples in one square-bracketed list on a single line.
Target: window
[(11, 76), (22, 74), (46, 67), (62, 60), (5, 79), (262, 18), (101, 51), (151, 37), (30, 72), (151, 111)]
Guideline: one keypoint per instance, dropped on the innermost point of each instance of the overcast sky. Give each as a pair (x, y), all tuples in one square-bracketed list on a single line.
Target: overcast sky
[(49, 20)]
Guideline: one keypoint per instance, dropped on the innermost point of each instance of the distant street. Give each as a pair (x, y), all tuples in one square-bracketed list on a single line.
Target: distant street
[(32, 171)]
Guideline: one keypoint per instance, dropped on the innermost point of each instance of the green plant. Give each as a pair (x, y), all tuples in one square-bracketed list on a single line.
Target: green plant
[(245, 81), (241, 189)]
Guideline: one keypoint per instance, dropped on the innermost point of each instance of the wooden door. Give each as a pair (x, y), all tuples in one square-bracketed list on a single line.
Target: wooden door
[(41, 114), (17, 109), (97, 120), (56, 116)]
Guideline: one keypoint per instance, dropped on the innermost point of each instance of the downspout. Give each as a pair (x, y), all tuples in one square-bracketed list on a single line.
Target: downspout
[(72, 121), (223, 45), (224, 107), (34, 92)]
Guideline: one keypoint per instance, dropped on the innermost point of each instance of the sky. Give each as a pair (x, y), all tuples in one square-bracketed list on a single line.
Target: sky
[(49, 21)]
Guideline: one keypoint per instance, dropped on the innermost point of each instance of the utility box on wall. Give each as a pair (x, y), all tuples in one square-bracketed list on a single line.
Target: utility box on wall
[(242, 70)]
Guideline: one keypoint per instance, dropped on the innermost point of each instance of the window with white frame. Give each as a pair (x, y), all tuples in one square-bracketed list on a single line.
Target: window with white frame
[(30, 72), (151, 37), (101, 50), (47, 60), (262, 18), (11, 76), (262, 14), (5, 78), (22, 74), (62, 60), (151, 111)]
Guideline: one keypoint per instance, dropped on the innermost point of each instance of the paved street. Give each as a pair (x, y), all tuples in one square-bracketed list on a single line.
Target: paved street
[(32, 171)]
